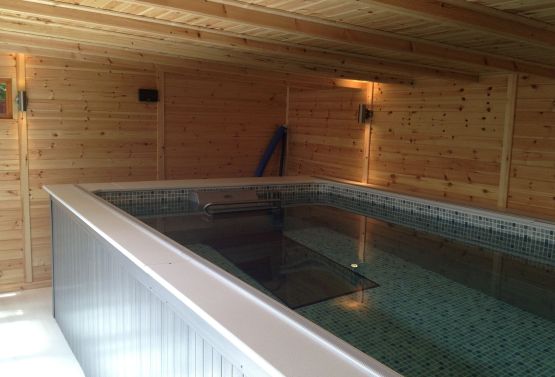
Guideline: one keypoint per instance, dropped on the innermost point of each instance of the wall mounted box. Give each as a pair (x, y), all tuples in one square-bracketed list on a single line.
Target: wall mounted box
[(148, 95)]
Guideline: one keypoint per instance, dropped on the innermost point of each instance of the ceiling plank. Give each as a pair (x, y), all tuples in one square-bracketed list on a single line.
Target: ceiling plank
[(100, 38), (142, 25), (40, 46), (292, 23), (475, 15), (52, 35)]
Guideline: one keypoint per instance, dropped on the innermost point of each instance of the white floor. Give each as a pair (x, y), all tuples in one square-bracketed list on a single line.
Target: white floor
[(31, 343)]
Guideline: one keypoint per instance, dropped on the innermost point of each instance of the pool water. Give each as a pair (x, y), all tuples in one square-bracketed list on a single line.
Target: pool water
[(419, 303)]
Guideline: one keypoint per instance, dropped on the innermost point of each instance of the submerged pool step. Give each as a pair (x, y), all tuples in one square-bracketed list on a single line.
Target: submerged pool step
[(296, 275)]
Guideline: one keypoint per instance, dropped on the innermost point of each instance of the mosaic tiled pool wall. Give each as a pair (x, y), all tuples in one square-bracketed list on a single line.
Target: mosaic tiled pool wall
[(518, 236)]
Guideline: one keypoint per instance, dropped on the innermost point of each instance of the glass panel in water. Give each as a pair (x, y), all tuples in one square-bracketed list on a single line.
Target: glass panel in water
[(421, 304)]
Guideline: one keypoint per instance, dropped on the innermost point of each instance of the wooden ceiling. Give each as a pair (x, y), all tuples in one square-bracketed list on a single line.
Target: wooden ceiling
[(375, 40)]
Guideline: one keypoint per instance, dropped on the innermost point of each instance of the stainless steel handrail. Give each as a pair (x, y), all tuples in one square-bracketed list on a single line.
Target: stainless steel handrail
[(255, 205)]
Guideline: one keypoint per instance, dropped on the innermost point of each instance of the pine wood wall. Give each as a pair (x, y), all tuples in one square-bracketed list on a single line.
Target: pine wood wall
[(439, 138), (325, 137), (532, 171), (217, 125), (85, 124), (11, 225)]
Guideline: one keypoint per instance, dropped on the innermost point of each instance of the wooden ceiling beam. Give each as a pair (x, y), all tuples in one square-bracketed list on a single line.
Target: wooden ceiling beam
[(477, 16), (292, 23), (54, 35), (91, 54), (94, 17), (103, 38)]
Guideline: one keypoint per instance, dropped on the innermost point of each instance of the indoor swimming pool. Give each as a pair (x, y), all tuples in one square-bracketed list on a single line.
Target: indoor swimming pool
[(422, 304), (299, 276)]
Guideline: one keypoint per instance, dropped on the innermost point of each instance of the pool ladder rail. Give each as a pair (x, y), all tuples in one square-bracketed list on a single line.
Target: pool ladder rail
[(214, 208), (230, 201)]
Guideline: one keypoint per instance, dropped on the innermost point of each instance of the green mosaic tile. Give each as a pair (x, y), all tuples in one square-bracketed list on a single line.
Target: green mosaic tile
[(423, 324)]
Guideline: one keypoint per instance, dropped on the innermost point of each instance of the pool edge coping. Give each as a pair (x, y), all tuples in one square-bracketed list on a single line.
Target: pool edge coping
[(361, 364)]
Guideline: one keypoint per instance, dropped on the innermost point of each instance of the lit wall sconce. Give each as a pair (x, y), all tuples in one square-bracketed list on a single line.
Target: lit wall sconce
[(21, 100), (364, 113)]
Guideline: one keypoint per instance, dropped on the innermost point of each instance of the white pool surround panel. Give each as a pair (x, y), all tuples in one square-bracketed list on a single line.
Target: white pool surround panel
[(276, 340)]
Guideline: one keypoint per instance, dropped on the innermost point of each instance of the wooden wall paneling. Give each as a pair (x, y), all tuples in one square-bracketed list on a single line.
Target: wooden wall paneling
[(161, 125), (326, 138), (441, 139), (12, 270), (85, 125), (220, 127), (532, 177), (24, 172), (508, 130)]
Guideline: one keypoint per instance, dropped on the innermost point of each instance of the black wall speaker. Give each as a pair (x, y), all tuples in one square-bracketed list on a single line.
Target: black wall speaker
[(148, 95)]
